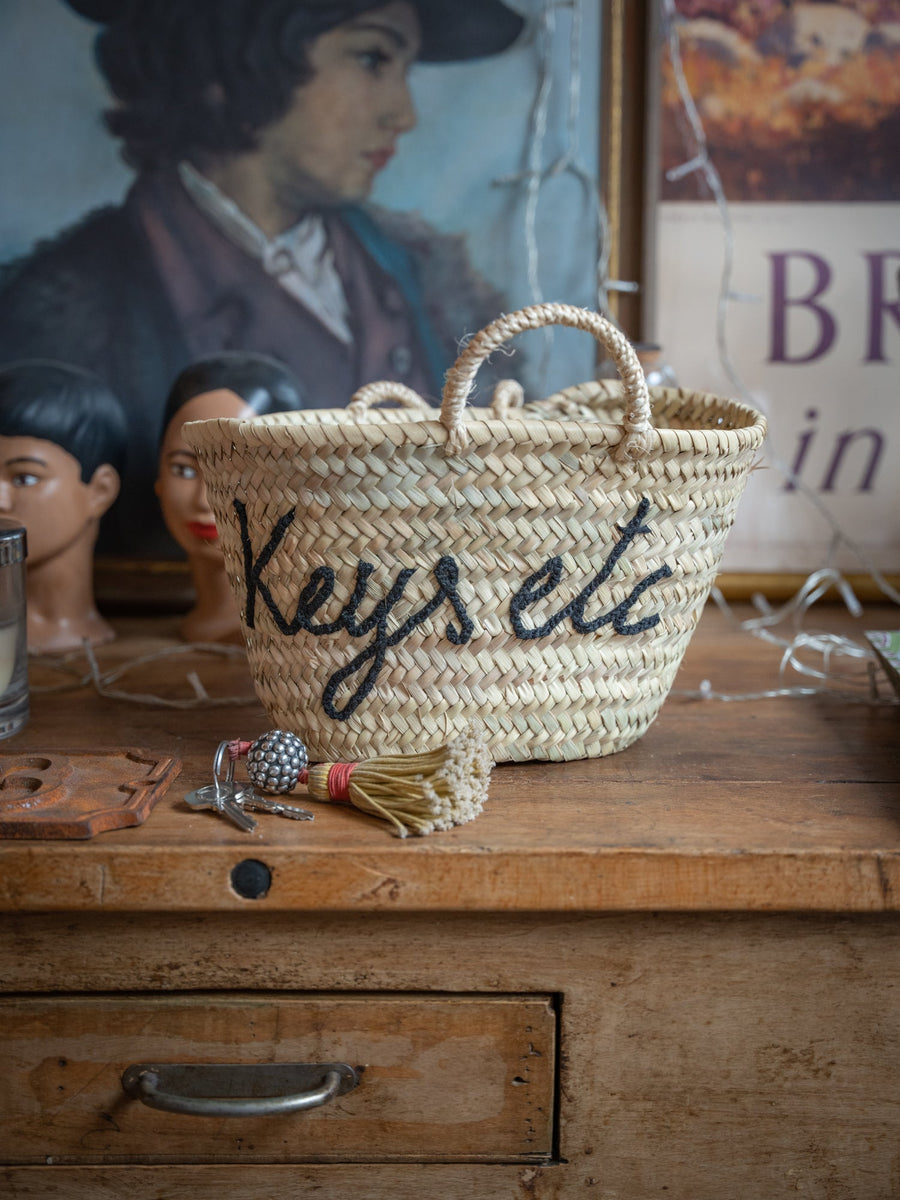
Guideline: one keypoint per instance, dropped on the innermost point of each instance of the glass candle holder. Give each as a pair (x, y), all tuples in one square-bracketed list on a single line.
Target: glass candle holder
[(13, 629)]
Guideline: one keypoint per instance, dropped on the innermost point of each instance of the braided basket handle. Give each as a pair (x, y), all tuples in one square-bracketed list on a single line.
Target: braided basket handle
[(383, 391), (636, 427)]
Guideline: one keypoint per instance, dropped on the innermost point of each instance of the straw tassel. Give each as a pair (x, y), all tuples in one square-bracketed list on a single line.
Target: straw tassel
[(416, 793)]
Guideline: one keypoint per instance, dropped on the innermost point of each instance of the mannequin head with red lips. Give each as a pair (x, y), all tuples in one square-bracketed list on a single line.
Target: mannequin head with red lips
[(230, 384)]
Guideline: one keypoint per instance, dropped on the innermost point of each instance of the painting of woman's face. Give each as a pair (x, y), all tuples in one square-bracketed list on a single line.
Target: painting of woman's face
[(179, 485), (343, 125)]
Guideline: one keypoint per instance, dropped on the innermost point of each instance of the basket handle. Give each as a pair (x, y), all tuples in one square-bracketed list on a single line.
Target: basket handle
[(637, 425), (508, 396), (378, 393)]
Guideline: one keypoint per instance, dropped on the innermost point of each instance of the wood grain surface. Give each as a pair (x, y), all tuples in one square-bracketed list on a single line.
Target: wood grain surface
[(710, 916), (700, 1056), (442, 1077), (789, 803)]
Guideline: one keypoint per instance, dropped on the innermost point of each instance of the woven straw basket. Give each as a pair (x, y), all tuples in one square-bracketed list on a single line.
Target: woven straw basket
[(541, 566)]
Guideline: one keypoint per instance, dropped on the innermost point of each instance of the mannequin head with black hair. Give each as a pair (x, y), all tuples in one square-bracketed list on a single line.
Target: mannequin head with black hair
[(62, 451), (230, 384), (264, 384)]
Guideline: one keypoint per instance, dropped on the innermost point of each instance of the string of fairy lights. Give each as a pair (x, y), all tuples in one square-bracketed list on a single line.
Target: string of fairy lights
[(702, 164), (820, 581), (539, 170), (698, 162), (830, 652)]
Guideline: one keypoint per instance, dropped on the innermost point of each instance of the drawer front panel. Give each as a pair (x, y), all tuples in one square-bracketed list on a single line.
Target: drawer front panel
[(443, 1078)]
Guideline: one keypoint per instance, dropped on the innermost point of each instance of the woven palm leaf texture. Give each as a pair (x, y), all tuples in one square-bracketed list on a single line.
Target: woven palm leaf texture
[(538, 566)]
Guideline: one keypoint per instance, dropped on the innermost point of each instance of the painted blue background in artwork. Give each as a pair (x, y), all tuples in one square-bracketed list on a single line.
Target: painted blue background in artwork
[(474, 121)]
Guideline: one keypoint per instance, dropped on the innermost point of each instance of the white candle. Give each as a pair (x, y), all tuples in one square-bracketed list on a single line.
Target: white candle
[(9, 635)]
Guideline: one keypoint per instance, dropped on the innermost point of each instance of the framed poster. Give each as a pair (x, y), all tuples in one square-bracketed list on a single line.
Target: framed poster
[(776, 264), (480, 196)]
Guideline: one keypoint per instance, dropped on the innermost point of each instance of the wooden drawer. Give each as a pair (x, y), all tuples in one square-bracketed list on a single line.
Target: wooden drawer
[(444, 1078)]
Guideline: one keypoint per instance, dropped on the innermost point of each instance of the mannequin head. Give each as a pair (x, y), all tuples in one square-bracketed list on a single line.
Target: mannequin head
[(230, 384), (62, 448)]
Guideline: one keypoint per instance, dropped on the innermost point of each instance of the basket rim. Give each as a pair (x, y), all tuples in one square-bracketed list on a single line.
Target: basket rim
[(331, 427)]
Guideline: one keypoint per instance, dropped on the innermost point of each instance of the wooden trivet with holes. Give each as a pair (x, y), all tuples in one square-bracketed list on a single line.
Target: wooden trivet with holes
[(80, 795)]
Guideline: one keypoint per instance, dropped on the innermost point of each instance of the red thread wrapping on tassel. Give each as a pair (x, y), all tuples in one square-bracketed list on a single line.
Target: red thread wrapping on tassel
[(339, 781), (338, 775)]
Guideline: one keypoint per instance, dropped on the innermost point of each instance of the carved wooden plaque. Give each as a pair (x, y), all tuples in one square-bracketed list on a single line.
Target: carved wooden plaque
[(80, 795)]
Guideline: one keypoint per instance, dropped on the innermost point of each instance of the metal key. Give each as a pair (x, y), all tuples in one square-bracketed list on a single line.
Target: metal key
[(224, 798), (250, 798), (223, 795)]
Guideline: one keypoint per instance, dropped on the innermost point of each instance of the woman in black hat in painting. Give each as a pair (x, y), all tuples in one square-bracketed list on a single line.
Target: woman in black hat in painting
[(257, 129)]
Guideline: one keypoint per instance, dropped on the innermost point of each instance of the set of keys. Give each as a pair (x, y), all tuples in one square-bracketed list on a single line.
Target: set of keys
[(233, 800)]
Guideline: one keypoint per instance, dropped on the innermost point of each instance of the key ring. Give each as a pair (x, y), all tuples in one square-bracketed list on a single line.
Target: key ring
[(246, 796), (217, 766)]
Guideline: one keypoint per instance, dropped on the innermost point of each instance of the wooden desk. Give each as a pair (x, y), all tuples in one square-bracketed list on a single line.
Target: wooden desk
[(674, 972)]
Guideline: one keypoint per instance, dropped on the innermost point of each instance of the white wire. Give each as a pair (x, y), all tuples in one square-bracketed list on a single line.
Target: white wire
[(538, 172), (820, 581)]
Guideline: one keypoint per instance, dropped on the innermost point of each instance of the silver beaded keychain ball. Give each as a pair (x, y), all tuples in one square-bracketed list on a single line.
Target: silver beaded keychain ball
[(275, 760)]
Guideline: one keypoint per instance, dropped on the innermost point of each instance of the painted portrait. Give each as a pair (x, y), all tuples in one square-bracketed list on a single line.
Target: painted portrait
[(325, 182)]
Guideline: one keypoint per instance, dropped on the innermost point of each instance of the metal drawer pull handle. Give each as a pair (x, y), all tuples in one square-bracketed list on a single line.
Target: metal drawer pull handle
[(237, 1089)]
